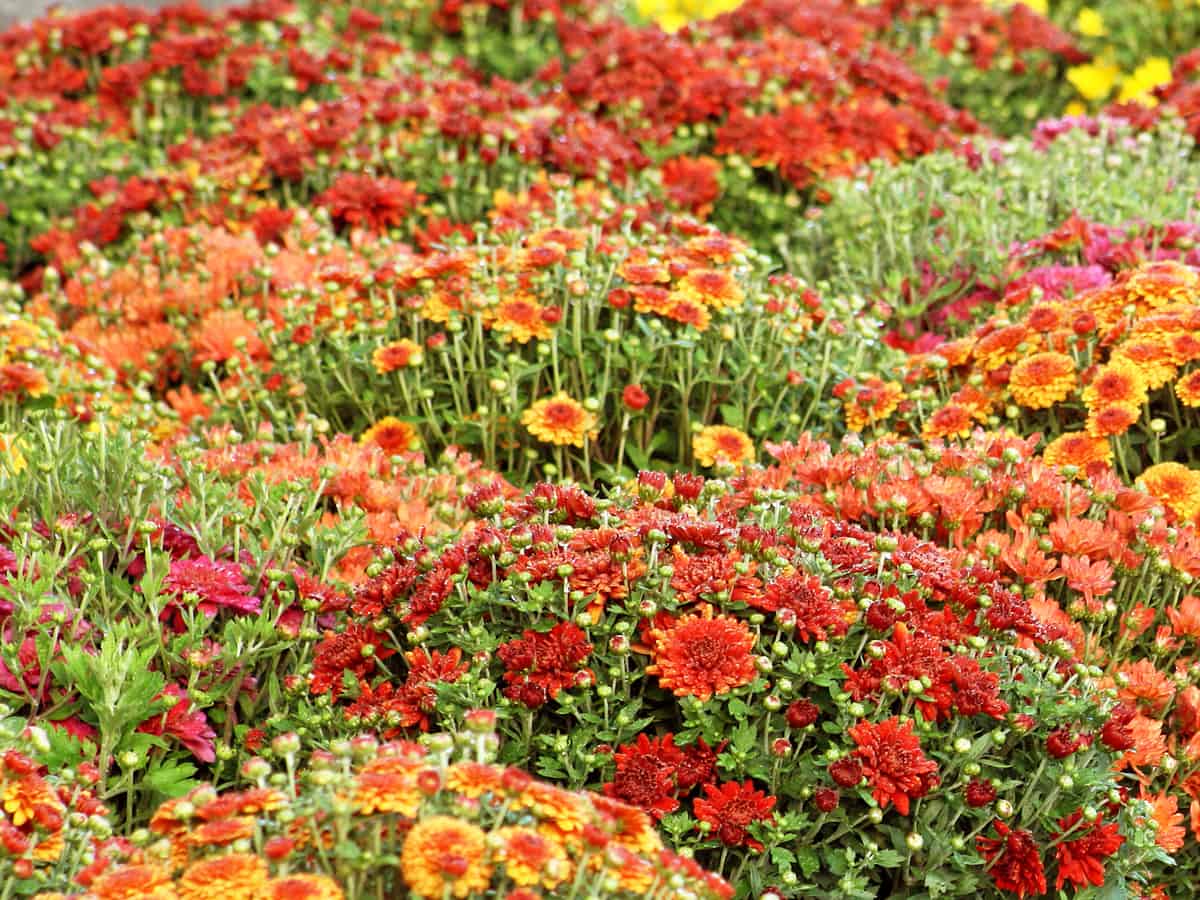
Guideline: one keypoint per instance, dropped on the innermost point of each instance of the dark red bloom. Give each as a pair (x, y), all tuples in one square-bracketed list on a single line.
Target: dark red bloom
[(826, 799), (646, 774), (372, 203), (1116, 734), (818, 615), (1062, 742), (979, 792), (1081, 858), (729, 808), (211, 585), (699, 765), (802, 713), (355, 650), (540, 664), (1013, 860), (847, 771), (892, 760)]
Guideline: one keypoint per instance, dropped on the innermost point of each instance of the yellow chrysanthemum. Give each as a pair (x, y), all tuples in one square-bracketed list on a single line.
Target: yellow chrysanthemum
[(1094, 80), (1077, 449), (531, 858), (1090, 23), (720, 443), (559, 420), (444, 856), (1154, 72), (391, 435)]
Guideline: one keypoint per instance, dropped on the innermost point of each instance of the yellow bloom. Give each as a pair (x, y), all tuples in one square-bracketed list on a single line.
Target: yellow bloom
[(1154, 72), (1090, 23), (720, 443), (1041, 7), (11, 457), (559, 420), (1094, 81), (1075, 108), (443, 857)]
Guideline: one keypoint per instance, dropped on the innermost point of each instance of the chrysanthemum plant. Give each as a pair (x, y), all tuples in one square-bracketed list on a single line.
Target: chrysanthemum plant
[(808, 706), (366, 819)]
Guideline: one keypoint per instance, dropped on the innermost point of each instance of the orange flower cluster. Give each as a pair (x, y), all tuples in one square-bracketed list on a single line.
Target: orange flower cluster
[(459, 829), (1084, 368)]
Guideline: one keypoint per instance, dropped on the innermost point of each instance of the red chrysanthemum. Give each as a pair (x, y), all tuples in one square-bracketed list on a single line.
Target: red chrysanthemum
[(646, 774), (354, 650), (699, 655), (1081, 858), (214, 586), (818, 615), (893, 762), (1013, 860), (731, 807), (539, 665)]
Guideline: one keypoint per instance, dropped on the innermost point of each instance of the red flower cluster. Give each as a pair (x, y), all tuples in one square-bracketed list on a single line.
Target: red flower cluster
[(540, 664)]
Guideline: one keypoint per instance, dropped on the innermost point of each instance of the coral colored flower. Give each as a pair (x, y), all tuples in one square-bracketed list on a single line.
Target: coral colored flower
[(1185, 618), (699, 655), (1164, 810), (397, 355), (184, 722), (375, 203), (443, 856), (1111, 421), (237, 876), (730, 808), (720, 443), (1119, 383), (392, 436), (1175, 486), (1041, 380), (871, 403), (1013, 860), (559, 420), (895, 766), (1081, 857)]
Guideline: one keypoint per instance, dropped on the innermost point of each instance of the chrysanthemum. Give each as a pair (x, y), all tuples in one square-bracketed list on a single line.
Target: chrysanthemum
[(1111, 421), (896, 768), (519, 318), (397, 355), (872, 402), (472, 779), (391, 435), (1175, 486), (1041, 380), (701, 655), (562, 811), (1013, 860), (721, 443), (130, 882), (1077, 449), (212, 585), (681, 308), (390, 786), (302, 887), (1120, 383), (1161, 282), (952, 420), (1187, 389), (1151, 359), (222, 832), (713, 288), (444, 856), (238, 876), (1082, 854), (730, 808), (531, 858), (559, 420)]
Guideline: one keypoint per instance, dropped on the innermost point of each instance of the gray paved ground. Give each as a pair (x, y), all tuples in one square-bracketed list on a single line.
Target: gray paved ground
[(22, 10)]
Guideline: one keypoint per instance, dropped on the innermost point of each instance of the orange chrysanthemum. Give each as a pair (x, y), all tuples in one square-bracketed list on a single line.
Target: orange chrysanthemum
[(1041, 380), (397, 355), (1120, 383), (1175, 486), (129, 882), (952, 420), (389, 785), (872, 402), (560, 811), (473, 779), (720, 443), (531, 858), (999, 347), (222, 832), (682, 309), (238, 876), (1111, 421), (559, 420), (711, 287), (1151, 359), (1158, 283), (391, 435), (1141, 684), (224, 334), (444, 856), (1187, 389), (1077, 449), (519, 319), (1149, 745), (700, 655), (302, 887)]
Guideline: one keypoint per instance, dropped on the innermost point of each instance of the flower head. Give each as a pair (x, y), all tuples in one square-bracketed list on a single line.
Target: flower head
[(731, 807), (444, 856), (391, 435), (1041, 380), (721, 443), (896, 768), (701, 655), (1013, 860), (559, 420)]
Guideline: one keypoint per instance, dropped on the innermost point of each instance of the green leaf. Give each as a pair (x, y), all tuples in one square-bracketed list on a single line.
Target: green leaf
[(171, 779)]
